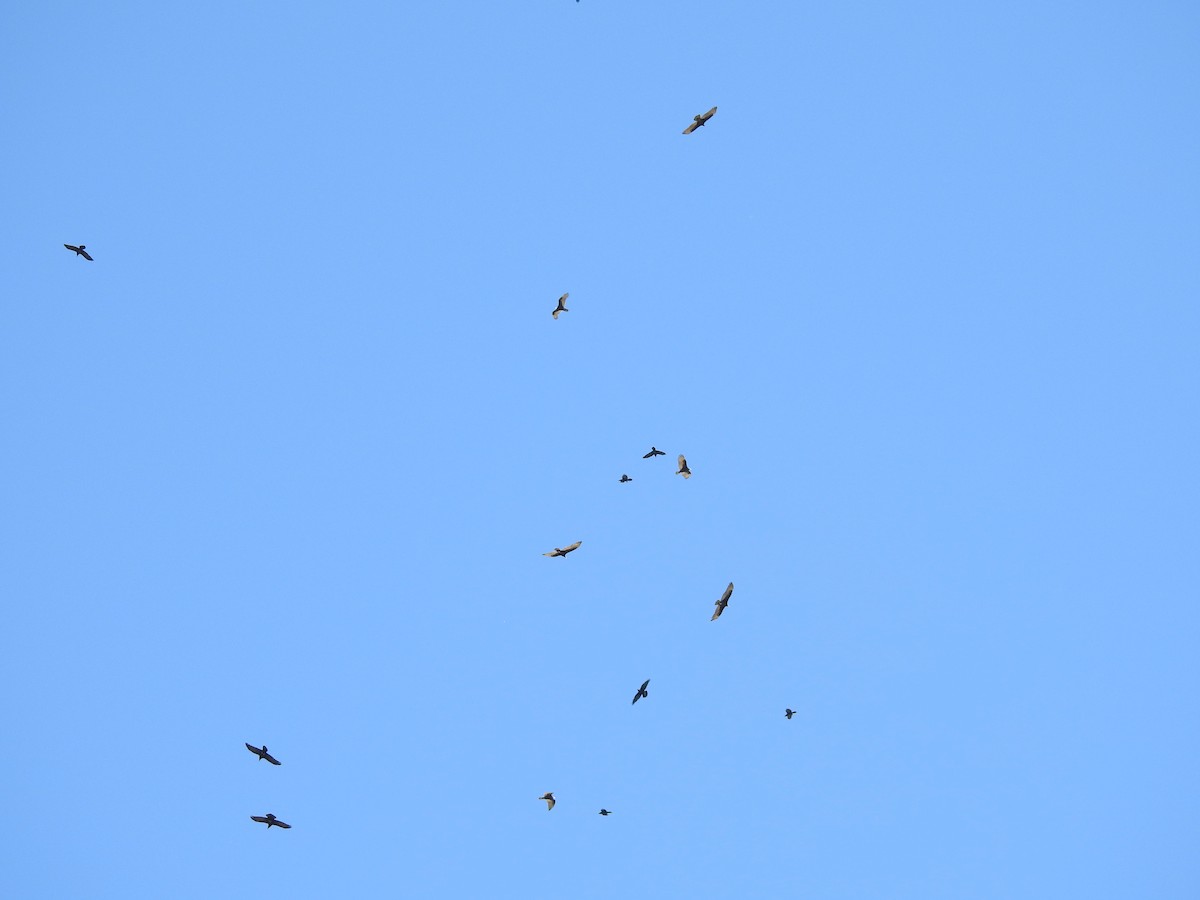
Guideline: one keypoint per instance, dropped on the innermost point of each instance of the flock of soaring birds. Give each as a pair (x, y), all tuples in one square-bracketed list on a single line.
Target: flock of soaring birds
[(723, 601)]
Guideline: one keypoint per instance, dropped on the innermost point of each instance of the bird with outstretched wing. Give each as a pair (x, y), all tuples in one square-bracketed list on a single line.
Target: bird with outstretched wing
[(642, 692), (80, 251), (261, 753), (563, 551), (722, 603), (683, 467), (549, 798), (560, 308), (700, 120), (269, 820)]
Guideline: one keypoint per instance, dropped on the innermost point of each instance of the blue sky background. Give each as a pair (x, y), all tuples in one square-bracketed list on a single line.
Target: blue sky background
[(919, 305)]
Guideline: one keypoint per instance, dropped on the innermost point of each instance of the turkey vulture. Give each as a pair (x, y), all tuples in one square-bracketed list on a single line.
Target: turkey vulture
[(563, 551), (654, 451), (549, 798), (606, 812), (642, 692), (722, 603), (81, 250), (263, 754), (625, 478), (270, 820), (683, 469), (789, 712), (560, 307), (700, 120)]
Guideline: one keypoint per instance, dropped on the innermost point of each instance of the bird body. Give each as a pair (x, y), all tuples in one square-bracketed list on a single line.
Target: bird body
[(549, 798), (789, 713), (722, 603), (683, 468), (563, 551), (642, 692), (700, 121), (261, 753), (560, 308), (81, 250), (269, 819)]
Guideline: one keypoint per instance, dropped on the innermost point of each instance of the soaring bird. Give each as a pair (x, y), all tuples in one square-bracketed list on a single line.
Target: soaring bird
[(700, 121), (625, 478), (606, 812), (654, 451), (263, 754), (722, 603), (683, 469), (789, 712), (560, 308), (270, 820), (81, 250), (549, 798), (563, 551), (642, 692)]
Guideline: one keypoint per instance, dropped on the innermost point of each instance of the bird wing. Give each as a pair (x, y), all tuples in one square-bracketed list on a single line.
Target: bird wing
[(86, 255), (554, 552), (279, 824), (645, 684), (708, 115), (683, 467), (561, 303), (725, 596), (253, 749), (262, 819), (637, 696), (648, 455), (272, 760), (570, 547), (717, 612), (691, 128)]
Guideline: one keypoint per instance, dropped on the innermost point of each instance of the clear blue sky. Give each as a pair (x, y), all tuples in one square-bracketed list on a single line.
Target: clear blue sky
[(919, 305)]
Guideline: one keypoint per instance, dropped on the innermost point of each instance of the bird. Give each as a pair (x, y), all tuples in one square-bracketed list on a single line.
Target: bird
[(654, 451), (560, 308), (563, 551), (642, 692), (263, 754), (789, 713), (683, 469), (700, 121), (625, 478), (270, 820), (722, 603), (606, 812), (81, 250), (549, 798)]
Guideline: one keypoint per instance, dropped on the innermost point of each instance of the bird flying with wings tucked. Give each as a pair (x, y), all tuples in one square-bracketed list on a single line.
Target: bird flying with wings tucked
[(549, 798), (683, 469)]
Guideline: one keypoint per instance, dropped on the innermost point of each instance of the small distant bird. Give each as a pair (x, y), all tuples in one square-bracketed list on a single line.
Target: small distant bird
[(700, 121), (549, 798), (270, 820), (722, 603), (606, 812), (81, 250), (789, 712), (683, 469), (563, 551), (262, 754), (654, 451), (560, 308), (625, 478), (642, 692)]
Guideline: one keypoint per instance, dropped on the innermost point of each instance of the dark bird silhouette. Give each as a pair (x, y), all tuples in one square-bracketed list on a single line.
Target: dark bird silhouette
[(683, 469), (549, 798), (563, 551), (606, 812), (625, 478), (642, 692), (789, 712), (270, 820), (81, 250), (700, 121), (263, 754), (560, 308), (654, 451), (722, 603)]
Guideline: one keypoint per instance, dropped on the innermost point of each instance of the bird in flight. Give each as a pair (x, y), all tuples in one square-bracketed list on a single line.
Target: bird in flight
[(606, 812), (560, 308), (683, 469), (654, 451), (789, 712), (722, 603), (81, 250), (700, 120), (270, 820), (563, 551), (549, 798), (625, 478), (262, 754), (642, 692)]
